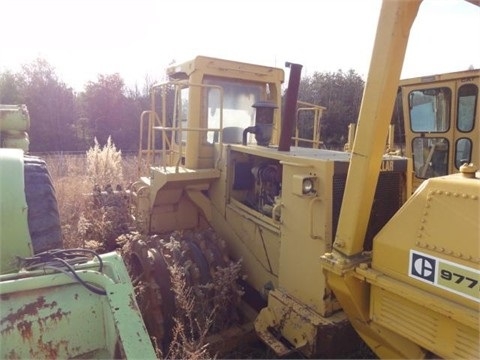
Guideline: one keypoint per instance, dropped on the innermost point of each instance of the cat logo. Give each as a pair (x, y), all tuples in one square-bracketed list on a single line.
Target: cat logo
[(444, 274), (422, 267)]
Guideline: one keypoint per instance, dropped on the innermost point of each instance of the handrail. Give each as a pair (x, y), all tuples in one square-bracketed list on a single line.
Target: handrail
[(150, 148), (172, 147), (317, 115)]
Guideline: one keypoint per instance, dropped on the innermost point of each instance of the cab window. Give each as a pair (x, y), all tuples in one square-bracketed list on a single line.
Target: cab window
[(430, 110), (463, 152), (238, 98), (467, 103), (430, 156)]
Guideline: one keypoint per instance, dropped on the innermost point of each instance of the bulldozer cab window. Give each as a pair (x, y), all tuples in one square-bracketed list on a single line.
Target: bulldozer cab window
[(238, 98), (430, 114), (466, 107), (430, 110), (430, 156), (467, 103), (463, 152)]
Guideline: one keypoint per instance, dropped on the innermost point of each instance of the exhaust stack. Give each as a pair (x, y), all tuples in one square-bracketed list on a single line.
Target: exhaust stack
[(290, 109)]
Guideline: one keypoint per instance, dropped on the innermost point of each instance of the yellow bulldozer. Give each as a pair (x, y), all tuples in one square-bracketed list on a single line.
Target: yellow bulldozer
[(329, 241)]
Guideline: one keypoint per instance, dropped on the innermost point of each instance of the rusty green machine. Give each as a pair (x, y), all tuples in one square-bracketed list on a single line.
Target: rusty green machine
[(55, 302)]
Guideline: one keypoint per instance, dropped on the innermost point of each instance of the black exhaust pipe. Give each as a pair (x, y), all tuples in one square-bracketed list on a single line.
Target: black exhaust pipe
[(290, 108)]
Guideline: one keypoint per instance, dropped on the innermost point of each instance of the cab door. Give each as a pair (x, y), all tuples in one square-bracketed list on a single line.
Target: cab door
[(441, 126)]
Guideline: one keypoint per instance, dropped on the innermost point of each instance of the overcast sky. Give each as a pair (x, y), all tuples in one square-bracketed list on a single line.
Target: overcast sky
[(136, 38)]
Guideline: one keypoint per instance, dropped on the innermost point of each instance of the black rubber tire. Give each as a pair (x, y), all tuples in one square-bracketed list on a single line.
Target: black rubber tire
[(43, 216)]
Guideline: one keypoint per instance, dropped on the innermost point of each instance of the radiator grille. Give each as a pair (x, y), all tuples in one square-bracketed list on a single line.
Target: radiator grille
[(388, 199)]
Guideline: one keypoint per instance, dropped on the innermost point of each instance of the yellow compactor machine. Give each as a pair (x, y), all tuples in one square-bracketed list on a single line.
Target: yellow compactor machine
[(327, 239)]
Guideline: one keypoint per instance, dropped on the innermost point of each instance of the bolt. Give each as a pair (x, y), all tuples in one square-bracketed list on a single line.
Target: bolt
[(363, 266)]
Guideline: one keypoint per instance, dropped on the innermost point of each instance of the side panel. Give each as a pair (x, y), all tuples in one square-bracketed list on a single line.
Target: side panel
[(425, 225), (306, 234), (429, 285), (13, 210), (249, 235)]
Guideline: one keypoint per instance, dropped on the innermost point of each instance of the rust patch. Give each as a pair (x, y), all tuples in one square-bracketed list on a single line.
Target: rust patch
[(26, 310), (50, 350), (25, 329), (55, 317), (18, 316), (58, 315), (46, 349)]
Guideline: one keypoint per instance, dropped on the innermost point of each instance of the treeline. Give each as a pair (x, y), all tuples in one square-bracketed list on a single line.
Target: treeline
[(64, 120), (341, 93)]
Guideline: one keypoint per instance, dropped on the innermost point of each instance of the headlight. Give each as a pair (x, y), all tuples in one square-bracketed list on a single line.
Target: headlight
[(307, 186), (304, 185)]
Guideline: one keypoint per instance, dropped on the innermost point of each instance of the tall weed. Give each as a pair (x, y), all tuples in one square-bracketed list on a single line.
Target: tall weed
[(85, 221), (104, 164)]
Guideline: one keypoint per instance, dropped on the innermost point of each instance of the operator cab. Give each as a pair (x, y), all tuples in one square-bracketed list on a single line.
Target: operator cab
[(441, 122)]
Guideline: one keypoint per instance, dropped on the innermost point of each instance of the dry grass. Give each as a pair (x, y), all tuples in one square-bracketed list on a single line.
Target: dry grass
[(189, 332), (83, 223)]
